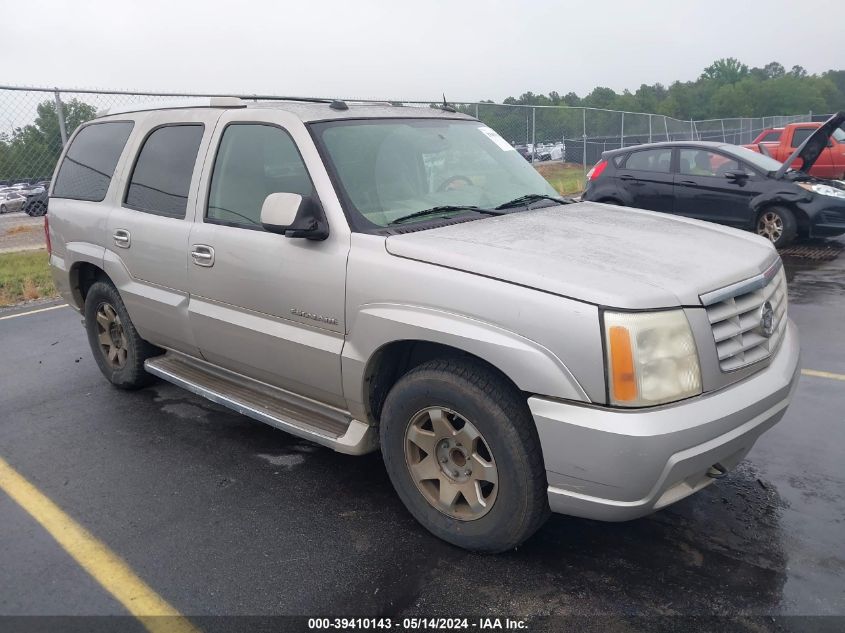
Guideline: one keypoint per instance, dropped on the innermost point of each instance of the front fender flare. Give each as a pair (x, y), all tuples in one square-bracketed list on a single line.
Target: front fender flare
[(531, 366)]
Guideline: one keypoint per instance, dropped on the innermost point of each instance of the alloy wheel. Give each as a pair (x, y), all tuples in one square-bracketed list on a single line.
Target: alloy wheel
[(451, 463), (111, 336), (770, 225)]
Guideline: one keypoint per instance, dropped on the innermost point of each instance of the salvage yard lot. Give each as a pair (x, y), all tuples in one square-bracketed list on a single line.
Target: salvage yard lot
[(222, 515)]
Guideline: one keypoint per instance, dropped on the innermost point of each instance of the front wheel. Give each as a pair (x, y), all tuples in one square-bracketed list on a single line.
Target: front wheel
[(777, 225), (3, 208), (119, 350), (462, 452)]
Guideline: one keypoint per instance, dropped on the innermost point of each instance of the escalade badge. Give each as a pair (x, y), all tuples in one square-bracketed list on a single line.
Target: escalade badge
[(767, 319)]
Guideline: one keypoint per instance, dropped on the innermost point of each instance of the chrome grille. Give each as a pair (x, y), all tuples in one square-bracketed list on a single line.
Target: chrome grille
[(735, 316)]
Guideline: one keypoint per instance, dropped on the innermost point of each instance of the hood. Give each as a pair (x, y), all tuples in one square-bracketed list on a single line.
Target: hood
[(606, 255), (811, 149)]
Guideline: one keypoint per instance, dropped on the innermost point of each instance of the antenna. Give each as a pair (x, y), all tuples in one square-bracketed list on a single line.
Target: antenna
[(446, 107)]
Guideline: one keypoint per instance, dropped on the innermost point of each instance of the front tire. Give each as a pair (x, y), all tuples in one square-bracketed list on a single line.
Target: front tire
[(462, 452), (3, 208), (119, 350), (778, 225)]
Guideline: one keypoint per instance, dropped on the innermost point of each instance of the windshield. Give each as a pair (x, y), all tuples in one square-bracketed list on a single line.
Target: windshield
[(759, 161), (390, 168)]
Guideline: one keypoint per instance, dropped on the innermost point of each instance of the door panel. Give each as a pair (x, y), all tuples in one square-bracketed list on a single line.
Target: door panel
[(268, 307), (703, 191), (647, 179), (147, 243)]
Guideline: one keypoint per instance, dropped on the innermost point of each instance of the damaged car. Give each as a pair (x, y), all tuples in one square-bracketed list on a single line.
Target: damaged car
[(728, 184)]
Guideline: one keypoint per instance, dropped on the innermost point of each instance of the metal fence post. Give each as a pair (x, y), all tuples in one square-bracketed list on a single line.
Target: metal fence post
[(476, 110), (691, 130), (649, 128), (60, 115), (724, 138), (666, 127), (622, 132), (533, 134), (584, 142)]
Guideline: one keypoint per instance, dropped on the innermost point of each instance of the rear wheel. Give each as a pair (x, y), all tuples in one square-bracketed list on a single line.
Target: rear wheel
[(37, 209), (778, 225), (462, 451), (118, 349), (3, 208)]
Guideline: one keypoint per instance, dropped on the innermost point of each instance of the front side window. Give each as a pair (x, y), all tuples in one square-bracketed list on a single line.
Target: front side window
[(699, 162), (658, 160), (801, 134), (387, 169), (253, 161), (90, 161), (162, 175)]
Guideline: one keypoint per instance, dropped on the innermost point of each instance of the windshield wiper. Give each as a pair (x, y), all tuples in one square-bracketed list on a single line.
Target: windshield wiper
[(528, 198), (444, 208)]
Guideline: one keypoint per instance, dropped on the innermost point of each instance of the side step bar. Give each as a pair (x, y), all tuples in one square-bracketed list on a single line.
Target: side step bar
[(282, 409)]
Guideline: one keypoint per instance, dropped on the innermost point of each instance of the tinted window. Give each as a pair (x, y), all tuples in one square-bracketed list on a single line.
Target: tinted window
[(89, 164), (699, 162), (771, 137), (659, 160), (252, 162), (162, 174), (801, 134)]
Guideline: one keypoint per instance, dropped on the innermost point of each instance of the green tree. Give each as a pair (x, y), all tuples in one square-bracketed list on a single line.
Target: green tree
[(727, 70)]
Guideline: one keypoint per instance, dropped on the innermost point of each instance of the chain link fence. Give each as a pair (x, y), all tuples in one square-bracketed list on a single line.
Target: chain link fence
[(35, 123)]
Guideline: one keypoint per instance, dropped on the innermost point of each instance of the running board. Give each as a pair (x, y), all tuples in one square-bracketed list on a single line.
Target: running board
[(282, 409)]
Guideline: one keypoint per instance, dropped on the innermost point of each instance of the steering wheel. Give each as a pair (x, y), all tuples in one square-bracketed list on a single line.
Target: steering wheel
[(446, 184)]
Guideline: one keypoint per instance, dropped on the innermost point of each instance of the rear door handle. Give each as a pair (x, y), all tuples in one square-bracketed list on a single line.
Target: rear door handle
[(122, 238), (202, 255), (630, 180), (687, 183)]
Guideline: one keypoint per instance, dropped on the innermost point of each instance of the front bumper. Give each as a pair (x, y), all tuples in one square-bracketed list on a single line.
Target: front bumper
[(616, 465)]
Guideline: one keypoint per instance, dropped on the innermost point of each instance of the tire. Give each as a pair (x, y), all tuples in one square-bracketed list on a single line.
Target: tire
[(471, 398), (778, 225), (3, 208), (118, 349), (36, 209), (612, 201)]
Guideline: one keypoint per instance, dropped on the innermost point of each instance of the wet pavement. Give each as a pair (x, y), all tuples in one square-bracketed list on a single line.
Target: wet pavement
[(225, 516)]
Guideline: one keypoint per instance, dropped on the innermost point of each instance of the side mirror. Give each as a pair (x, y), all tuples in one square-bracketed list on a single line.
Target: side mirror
[(736, 175), (293, 215)]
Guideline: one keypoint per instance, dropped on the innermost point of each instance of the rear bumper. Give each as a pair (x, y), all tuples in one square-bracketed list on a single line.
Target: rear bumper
[(616, 465)]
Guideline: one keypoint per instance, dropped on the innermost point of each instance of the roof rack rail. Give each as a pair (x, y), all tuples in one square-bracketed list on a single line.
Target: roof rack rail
[(188, 102)]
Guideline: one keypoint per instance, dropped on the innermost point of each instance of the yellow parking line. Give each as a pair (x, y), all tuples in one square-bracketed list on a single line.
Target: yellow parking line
[(113, 574), (815, 373), (20, 314)]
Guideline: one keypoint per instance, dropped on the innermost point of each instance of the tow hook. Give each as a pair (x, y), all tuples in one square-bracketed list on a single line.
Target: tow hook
[(717, 471)]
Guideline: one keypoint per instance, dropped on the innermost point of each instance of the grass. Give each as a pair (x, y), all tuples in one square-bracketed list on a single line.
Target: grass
[(25, 276), (19, 230), (566, 178)]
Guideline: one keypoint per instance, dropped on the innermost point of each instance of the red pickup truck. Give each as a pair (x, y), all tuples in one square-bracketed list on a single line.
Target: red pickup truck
[(780, 142)]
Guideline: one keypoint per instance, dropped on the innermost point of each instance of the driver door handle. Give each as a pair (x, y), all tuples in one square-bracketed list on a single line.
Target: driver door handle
[(687, 183), (202, 255)]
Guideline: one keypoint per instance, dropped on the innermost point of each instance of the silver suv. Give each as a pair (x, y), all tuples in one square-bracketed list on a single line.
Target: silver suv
[(370, 277)]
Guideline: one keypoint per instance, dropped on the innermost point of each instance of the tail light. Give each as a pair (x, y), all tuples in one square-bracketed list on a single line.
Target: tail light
[(597, 169), (47, 235)]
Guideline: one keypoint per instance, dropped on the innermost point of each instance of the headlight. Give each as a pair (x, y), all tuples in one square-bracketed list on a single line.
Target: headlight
[(651, 358), (823, 190)]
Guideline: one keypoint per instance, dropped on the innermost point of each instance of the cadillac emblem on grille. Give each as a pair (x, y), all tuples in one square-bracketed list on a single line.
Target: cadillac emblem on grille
[(767, 319)]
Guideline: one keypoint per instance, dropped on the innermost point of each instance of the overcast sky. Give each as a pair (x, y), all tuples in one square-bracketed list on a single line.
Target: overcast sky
[(403, 50)]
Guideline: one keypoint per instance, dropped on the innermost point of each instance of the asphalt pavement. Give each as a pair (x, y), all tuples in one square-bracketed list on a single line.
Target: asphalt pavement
[(222, 515)]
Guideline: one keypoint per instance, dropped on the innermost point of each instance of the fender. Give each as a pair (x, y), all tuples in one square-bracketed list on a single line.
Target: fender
[(532, 367), (784, 196), (64, 266)]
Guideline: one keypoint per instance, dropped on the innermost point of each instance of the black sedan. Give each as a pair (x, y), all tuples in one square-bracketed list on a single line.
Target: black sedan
[(726, 184)]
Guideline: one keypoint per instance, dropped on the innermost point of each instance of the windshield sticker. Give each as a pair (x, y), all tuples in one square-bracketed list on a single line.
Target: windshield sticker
[(498, 140)]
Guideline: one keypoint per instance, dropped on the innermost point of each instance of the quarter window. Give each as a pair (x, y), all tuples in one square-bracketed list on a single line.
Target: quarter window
[(90, 161), (252, 162), (699, 162), (658, 160), (162, 176)]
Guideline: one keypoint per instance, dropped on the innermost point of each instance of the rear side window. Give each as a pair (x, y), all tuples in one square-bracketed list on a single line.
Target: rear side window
[(801, 134), (90, 161), (252, 162), (771, 137), (658, 160), (162, 175)]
